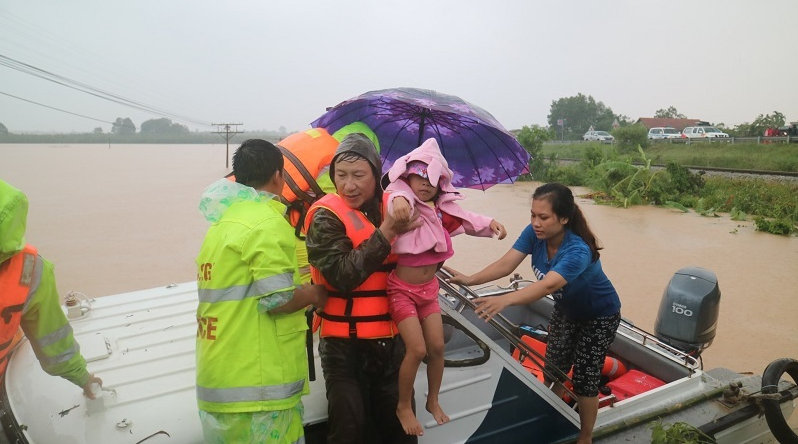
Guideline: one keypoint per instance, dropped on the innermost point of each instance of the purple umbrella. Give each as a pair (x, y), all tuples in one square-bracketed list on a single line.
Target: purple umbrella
[(480, 151)]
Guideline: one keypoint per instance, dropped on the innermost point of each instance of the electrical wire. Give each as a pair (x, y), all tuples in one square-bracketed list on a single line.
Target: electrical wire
[(88, 89), (71, 57), (57, 109)]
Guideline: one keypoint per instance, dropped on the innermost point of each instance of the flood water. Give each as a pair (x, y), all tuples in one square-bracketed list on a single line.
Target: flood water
[(118, 218)]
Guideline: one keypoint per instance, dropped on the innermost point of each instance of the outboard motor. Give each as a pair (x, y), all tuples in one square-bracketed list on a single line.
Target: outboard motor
[(688, 312)]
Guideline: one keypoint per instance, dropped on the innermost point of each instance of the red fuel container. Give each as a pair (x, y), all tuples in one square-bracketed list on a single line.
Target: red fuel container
[(633, 382)]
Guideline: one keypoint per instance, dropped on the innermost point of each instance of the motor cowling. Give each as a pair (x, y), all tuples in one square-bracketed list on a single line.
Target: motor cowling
[(688, 313)]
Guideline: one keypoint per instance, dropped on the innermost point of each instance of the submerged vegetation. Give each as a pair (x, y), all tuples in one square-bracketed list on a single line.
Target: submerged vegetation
[(677, 433), (630, 179)]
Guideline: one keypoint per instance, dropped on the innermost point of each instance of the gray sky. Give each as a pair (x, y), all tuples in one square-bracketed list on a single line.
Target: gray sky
[(276, 63)]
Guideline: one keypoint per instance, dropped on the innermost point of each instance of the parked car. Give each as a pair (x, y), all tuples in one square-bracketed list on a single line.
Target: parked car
[(664, 132), (697, 132), (602, 136)]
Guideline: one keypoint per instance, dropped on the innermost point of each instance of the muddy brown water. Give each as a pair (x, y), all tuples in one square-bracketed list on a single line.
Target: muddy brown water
[(118, 218)]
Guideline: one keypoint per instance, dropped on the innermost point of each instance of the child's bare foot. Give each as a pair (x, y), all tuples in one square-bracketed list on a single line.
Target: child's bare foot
[(437, 412), (409, 421)]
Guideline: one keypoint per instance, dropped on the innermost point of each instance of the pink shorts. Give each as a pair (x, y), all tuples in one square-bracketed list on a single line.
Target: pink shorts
[(412, 300)]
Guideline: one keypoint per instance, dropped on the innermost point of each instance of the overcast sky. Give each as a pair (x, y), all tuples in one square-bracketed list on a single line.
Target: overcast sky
[(271, 64)]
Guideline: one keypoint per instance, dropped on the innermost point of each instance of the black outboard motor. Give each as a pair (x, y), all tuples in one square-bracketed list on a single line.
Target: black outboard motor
[(688, 313)]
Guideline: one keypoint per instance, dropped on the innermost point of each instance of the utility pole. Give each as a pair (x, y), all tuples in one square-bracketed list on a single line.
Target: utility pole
[(228, 133)]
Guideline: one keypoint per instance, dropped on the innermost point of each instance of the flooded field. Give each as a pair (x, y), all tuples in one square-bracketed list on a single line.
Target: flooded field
[(124, 217)]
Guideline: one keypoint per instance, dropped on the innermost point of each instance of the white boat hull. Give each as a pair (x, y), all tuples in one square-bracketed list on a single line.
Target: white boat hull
[(142, 345)]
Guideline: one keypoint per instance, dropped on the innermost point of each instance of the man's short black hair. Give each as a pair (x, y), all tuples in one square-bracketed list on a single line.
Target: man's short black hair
[(255, 162)]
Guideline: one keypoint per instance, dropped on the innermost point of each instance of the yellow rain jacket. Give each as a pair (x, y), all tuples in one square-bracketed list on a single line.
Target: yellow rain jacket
[(30, 298), (247, 358)]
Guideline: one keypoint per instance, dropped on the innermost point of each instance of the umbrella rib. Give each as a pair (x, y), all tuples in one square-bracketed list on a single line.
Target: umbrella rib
[(396, 135), (468, 151), (457, 129), (491, 130)]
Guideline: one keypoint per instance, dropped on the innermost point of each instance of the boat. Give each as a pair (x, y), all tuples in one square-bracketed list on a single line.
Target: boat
[(142, 344)]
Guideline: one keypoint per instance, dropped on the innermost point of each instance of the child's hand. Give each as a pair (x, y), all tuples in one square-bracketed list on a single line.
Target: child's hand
[(498, 229), (401, 209)]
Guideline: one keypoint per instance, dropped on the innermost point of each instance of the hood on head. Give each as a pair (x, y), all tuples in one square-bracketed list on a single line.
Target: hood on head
[(13, 220), (359, 144), (438, 172)]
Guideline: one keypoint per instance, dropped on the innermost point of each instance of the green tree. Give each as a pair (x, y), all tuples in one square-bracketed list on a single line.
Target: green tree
[(98, 130), (670, 113), (761, 123), (123, 126), (532, 139), (162, 126), (580, 112), (624, 120), (3, 130)]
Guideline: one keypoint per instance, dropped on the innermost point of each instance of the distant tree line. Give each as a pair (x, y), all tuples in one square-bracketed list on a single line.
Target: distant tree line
[(153, 126), (123, 130)]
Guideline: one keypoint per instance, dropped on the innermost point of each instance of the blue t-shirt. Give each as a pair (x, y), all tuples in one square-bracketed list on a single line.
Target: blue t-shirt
[(588, 293)]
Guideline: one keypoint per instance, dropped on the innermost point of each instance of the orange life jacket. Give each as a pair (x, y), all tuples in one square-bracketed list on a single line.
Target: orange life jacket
[(363, 312), (17, 278), (306, 155), (315, 149)]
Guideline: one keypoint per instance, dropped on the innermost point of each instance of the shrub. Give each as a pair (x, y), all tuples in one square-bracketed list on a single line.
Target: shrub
[(630, 137), (532, 138)]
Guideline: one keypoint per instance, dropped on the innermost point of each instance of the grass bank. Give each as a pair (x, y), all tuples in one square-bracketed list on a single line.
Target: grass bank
[(629, 179), (766, 157)]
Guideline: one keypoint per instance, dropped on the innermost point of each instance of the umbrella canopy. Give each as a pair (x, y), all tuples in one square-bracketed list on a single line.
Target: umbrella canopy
[(479, 150)]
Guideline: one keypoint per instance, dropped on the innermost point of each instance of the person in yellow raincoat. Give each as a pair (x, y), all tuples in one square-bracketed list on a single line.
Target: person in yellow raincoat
[(30, 300)]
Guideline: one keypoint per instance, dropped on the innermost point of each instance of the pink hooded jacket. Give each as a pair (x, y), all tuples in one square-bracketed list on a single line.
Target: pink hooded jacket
[(430, 235)]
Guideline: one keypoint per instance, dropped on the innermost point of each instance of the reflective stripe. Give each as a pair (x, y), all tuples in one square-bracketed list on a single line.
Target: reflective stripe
[(241, 292), (38, 269), (57, 359), (245, 394), (55, 336)]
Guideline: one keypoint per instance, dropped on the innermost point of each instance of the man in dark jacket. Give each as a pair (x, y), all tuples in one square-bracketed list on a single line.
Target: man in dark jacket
[(360, 355)]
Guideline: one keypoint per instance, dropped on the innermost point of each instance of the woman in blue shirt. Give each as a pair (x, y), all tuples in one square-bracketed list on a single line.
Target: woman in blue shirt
[(565, 260)]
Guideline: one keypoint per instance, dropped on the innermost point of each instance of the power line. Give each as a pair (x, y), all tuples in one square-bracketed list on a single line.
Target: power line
[(88, 89), (29, 41), (57, 109), (227, 134)]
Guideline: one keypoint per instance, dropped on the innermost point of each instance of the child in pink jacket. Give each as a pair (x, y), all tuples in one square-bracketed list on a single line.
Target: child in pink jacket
[(420, 182)]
